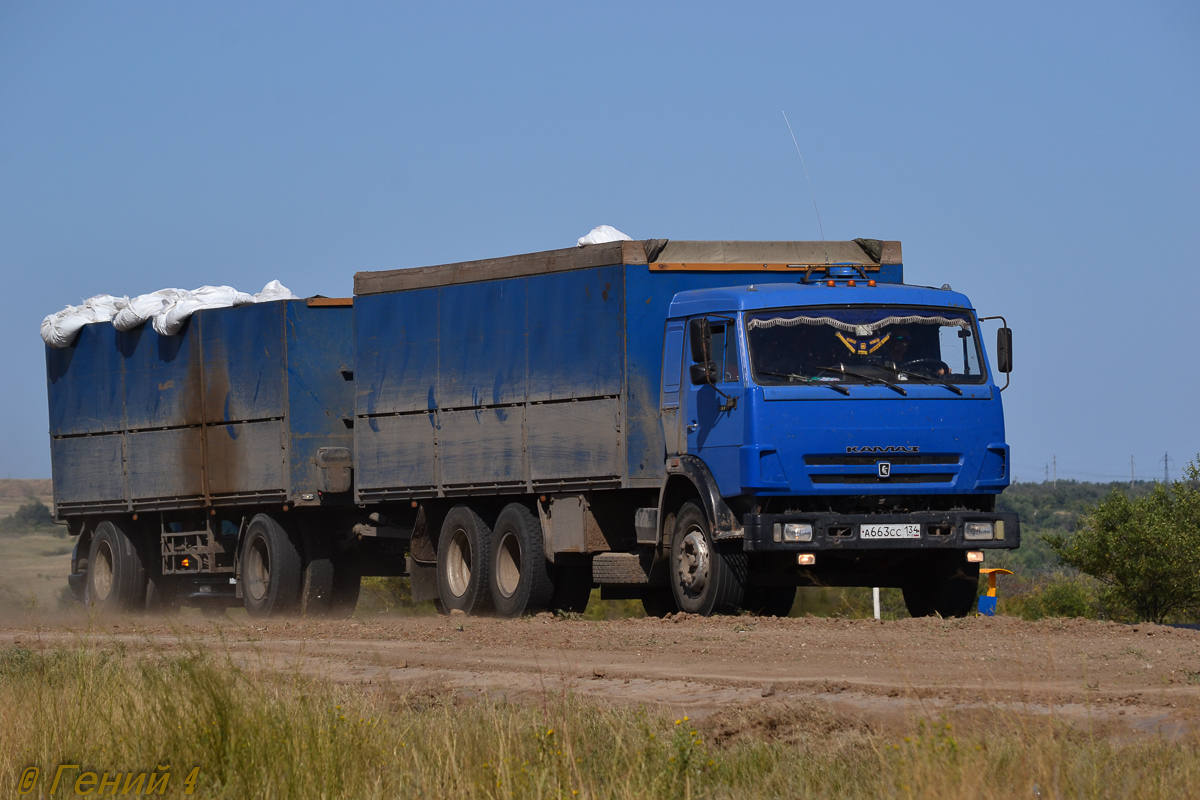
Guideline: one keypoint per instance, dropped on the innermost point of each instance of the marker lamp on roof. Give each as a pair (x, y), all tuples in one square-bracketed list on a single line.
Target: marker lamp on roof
[(975, 531)]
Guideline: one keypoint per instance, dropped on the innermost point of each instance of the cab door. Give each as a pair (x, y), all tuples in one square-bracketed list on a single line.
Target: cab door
[(671, 372), (714, 414)]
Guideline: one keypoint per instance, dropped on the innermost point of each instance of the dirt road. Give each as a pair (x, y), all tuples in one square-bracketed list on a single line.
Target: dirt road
[(1118, 680)]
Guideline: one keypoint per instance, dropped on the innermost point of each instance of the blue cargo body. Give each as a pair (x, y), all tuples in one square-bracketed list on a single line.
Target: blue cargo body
[(231, 410), (528, 384)]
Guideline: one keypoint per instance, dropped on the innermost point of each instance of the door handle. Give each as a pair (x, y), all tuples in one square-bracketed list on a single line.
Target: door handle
[(692, 426)]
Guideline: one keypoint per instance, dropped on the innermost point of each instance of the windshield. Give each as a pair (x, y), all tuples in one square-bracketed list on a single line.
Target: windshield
[(863, 345)]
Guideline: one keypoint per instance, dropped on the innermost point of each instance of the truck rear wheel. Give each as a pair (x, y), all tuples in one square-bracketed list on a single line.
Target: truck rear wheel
[(520, 580), (464, 556), (116, 578), (946, 586), (270, 568), (707, 577)]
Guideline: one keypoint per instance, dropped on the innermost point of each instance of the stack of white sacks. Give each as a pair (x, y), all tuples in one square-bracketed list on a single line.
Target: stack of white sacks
[(166, 309)]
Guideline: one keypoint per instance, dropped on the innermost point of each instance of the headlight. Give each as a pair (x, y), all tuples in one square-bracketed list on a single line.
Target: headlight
[(797, 532), (977, 530)]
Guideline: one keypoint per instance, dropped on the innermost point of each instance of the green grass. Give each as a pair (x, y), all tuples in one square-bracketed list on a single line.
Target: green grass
[(282, 736)]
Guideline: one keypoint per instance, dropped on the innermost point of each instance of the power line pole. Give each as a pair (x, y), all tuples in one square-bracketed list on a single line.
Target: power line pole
[(1166, 468), (1055, 471), (1131, 472)]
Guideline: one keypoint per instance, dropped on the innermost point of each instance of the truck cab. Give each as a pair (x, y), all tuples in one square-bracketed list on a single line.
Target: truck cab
[(853, 429)]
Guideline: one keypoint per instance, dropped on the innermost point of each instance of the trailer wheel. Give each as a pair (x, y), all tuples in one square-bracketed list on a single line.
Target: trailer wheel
[(770, 601), (116, 578), (707, 577), (520, 580), (947, 587), (270, 568), (464, 555)]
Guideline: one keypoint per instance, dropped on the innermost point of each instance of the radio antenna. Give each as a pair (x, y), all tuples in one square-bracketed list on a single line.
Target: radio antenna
[(810, 186)]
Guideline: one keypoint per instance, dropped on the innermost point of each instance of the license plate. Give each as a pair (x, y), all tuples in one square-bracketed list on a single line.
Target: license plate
[(908, 531)]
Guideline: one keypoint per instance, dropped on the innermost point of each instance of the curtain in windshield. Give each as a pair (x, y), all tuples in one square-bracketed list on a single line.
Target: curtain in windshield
[(812, 345)]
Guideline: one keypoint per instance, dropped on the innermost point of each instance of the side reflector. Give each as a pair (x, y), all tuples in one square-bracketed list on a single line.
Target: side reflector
[(831, 283), (806, 559), (851, 283), (870, 283), (974, 556)]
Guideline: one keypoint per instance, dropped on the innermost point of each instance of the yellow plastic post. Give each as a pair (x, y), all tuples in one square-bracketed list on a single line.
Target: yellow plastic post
[(991, 573)]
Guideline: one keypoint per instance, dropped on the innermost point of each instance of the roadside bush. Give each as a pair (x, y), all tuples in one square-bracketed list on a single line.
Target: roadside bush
[(32, 516), (1144, 552), (1057, 594)]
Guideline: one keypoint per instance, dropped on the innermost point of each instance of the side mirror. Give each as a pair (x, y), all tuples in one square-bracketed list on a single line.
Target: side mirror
[(700, 333), (703, 374), (1004, 350)]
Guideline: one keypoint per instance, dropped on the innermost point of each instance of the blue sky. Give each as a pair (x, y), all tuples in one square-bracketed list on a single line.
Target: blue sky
[(1040, 157)]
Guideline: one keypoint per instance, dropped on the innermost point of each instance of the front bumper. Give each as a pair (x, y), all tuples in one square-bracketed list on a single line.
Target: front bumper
[(840, 532)]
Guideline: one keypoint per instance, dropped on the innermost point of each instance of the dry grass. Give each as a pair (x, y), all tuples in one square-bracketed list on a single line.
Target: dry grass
[(264, 735)]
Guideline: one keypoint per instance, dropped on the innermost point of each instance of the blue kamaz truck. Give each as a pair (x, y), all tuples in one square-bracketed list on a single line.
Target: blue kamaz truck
[(701, 425)]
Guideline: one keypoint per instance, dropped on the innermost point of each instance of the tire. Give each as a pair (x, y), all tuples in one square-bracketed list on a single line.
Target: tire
[(572, 589), (347, 584), (316, 592), (116, 577), (463, 559), (270, 568), (946, 586), (706, 577), (658, 601), (519, 575), (770, 601)]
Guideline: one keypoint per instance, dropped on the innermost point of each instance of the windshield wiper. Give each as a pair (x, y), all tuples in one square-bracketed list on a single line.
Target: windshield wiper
[(868, 378), (934, 378), (793, 377)]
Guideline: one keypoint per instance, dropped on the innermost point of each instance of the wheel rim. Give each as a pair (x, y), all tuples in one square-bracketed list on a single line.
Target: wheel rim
[(508, 565), (693, 561), (257, 575), (102, 572), (458, 563)]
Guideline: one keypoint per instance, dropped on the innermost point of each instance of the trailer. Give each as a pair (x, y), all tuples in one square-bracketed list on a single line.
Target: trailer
[(701, 425)]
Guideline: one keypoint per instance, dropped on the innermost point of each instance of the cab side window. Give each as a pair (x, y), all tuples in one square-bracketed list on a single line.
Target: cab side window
[(724, 344)]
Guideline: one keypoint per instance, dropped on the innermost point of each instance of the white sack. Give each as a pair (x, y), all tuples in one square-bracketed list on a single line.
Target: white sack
[(274, 291), (169, 319), (601, 234), (143, 307), (59, 329), (168, 308)]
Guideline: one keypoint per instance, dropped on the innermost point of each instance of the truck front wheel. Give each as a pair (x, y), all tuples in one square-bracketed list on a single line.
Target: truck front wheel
[(464, 555), (270, 568), (707, 577), (116, 578), (946, 586)]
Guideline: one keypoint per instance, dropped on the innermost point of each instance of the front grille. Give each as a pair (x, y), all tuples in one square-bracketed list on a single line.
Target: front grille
[(868, 459), (908, 477)]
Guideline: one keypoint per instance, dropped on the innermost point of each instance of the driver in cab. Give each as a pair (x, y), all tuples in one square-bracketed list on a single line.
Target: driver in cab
[(899, 350)]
